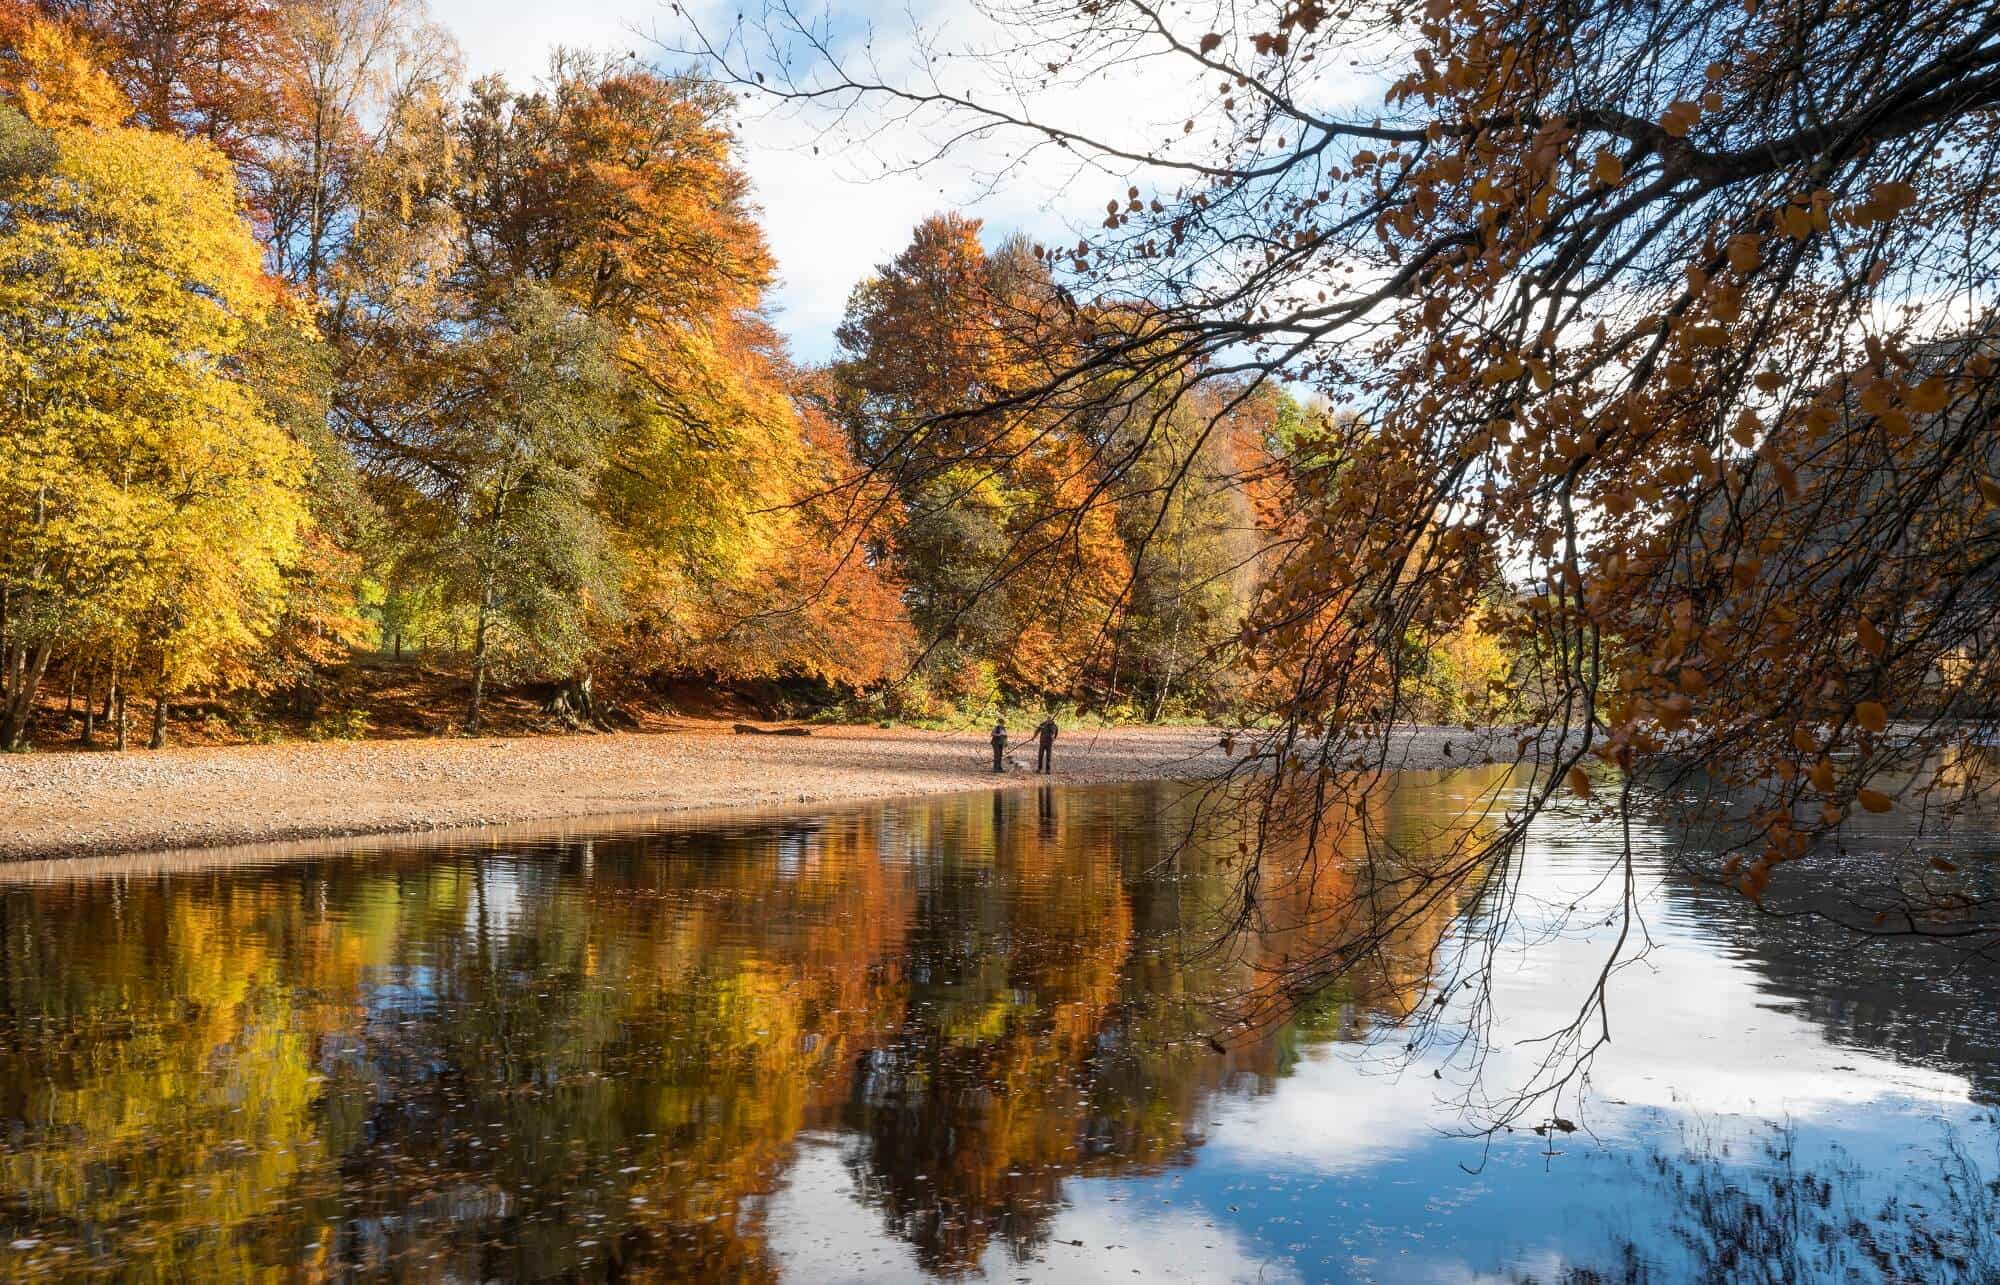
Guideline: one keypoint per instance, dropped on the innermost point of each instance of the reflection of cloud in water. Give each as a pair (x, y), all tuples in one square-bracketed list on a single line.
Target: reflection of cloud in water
[(821, 1232), (498, 906), (1694, 1030), (1692, 1027)]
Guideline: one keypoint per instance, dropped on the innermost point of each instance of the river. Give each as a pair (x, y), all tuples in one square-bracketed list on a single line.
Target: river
[(964, 1036)]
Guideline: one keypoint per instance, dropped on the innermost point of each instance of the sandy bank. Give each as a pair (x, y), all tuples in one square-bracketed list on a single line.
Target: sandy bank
[(84, 804), (100, 804)]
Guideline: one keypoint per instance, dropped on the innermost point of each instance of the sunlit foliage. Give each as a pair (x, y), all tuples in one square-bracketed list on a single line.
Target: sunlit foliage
[(150, 501), (410, 223)]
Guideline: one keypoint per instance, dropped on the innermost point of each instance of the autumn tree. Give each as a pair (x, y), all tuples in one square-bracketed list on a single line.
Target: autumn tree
[(203, 69), (150, 502), (357, 75), (614, 192), (508, 522), (617, 190), (1004, 536), (53, 72), (829, 608), (322, 622), (1185, 516), (410, 224)]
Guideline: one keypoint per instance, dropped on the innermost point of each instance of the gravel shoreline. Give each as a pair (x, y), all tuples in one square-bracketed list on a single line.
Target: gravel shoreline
[(89, 805)]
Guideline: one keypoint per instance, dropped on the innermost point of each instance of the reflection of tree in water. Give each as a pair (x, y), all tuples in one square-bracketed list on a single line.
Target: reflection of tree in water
[(1061, 1032), (593, 1060), (1763, 1218), (596, 1059), (704, 1003), (974, 1111)]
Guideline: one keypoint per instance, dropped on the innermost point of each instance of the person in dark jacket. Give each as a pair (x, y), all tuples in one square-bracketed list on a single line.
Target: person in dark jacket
[(1045, 745), (1000, 746)]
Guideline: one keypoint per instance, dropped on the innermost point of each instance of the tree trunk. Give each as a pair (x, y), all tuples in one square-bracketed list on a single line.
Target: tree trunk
[(118, 703), (158, 739), (478, 665), (21, 672), (1167, 679), (572, 702), (89, 736)]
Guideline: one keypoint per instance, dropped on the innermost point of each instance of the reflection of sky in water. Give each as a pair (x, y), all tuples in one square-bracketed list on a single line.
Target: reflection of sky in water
[(1351, 1168), (400, 992), (824, 1049), (1107, 1230), (497, 906)]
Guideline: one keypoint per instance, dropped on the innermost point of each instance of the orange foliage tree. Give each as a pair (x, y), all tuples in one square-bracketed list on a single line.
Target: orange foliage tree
[(619, 187), (406, 222), (1002, 528)]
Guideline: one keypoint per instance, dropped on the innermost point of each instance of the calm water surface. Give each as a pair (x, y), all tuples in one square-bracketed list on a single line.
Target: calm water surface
[(953, 1038)]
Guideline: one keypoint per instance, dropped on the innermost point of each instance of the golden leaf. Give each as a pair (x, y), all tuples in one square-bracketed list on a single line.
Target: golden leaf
[(1871, 716), (1680, 118), (1928, 397), (1893, 198), (1874, 800), (1743, 251)]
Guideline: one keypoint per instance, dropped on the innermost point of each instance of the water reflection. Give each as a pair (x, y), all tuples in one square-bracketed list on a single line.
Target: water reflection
[(926, 1039)]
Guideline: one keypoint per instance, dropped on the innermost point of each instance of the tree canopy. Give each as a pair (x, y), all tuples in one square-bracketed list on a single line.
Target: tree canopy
[(498, 355), (150, 500)]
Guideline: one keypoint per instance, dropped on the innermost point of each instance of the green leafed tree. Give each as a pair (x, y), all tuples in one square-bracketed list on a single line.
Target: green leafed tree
[(508, 523), (1185, 518)]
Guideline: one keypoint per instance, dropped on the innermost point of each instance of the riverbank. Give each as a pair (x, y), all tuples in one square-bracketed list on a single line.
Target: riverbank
[(63, 805)]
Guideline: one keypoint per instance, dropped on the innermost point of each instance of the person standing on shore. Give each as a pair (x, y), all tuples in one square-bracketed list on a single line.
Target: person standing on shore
[(1000, 745), (1045, 745)]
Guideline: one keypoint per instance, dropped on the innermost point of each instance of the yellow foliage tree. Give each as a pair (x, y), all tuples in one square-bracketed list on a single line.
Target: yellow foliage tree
[(149, 503)]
